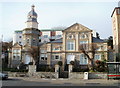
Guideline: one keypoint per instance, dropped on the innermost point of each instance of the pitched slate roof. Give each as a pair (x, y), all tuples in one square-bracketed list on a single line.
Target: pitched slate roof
[(51, 29), (56, 41), (94, 40), (97, 40), (32, 12)]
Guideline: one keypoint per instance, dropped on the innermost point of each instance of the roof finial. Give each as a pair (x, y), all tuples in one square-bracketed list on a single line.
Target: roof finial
[(32, 7)]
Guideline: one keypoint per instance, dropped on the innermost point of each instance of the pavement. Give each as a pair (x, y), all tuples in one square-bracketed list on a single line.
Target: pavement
[(31, 81)]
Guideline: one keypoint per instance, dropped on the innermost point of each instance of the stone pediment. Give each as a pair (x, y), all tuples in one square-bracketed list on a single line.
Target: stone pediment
[(27, 46), (77, 28), (17, 45)]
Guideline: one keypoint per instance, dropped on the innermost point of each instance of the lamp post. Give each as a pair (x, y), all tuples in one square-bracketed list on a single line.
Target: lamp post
[(9, 58)]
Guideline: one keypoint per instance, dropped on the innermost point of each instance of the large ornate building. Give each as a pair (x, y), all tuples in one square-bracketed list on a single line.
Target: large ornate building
[(116, 29), (30, 39), (66, 48)]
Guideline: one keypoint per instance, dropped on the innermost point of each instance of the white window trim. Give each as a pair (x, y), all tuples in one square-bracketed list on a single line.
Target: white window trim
[(71, 42), (43, 55), (83, 60), (54, 57), (98, 55)]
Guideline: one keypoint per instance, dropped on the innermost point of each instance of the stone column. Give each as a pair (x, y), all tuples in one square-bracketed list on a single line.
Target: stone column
[(70, 68), (49, 59), (64, 41), (77, 42), (56, 70), (32, 70), (63, 60)]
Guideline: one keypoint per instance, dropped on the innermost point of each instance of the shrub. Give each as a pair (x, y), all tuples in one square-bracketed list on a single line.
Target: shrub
[(72, 62), (45, 68), (30, 63), (78, 69), (16, 70), (97, 62), (42, 68), (52, 70), (100, 66), (85, 70), (60, 63)]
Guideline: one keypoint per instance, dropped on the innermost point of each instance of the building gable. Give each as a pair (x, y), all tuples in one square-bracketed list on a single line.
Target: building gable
[(16, 45), (77, 28)]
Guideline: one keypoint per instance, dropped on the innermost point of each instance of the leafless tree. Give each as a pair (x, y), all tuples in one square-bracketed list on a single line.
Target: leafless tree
[(89, 51), (34, 54)]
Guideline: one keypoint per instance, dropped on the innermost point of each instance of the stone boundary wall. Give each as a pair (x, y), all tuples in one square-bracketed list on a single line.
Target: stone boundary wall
[(17, 74), (76, 75), (97, 75), (36, 74), (72, 75), (44, 74), (94, 75)]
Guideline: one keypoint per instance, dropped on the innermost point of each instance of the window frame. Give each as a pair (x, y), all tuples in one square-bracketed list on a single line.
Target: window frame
[(97, 55), (83, 60), (70, 45)]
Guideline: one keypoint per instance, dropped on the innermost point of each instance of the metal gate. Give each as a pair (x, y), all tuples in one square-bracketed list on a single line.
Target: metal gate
[(63, 73)]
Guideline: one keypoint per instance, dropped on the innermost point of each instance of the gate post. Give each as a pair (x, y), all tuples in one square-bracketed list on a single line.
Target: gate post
[(70, 68), (56, 70), (32, 70)]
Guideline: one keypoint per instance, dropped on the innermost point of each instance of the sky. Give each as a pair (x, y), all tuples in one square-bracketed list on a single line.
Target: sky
[(92, 14)]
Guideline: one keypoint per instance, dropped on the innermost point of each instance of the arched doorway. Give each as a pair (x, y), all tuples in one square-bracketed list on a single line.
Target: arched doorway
[(27, 59), (70, 58)]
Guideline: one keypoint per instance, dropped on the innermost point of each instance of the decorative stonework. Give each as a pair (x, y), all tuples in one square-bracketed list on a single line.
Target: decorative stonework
[(84, 35), (71, 36), (77, 28), (32, 68)]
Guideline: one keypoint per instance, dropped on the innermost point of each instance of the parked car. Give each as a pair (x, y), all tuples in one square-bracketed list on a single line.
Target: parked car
[(3, 76)]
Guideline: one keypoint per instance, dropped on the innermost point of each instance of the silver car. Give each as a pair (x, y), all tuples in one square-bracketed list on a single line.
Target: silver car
[(3, 76)]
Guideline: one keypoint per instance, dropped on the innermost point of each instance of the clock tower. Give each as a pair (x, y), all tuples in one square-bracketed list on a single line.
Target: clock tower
[(32, 18), (30, 37)]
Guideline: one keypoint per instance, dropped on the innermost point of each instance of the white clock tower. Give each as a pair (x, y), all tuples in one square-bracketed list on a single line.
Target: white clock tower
[(30, 37), (32, 18)]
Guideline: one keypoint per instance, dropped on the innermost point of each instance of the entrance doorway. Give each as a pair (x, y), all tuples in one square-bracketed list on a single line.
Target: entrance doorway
[(63, 74), (70, 58), (27, 59)]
